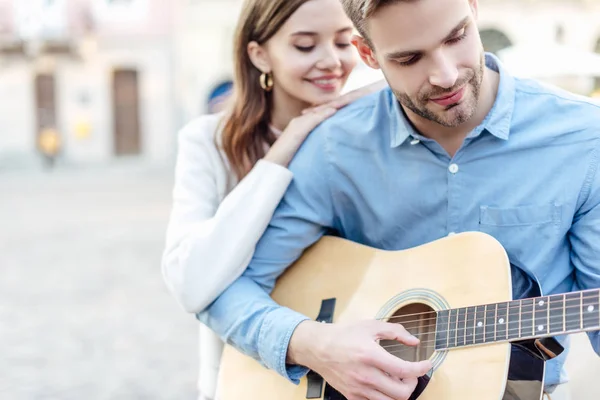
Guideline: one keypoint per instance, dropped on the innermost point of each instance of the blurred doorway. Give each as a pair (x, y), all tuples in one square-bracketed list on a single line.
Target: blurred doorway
[(45, 103), (127, 137), (47, 139)]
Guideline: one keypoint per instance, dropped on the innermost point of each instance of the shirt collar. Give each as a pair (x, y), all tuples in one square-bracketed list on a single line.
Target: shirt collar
[(497, 122)]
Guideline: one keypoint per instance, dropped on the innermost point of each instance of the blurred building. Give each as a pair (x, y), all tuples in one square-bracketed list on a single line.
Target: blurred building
[(572, 24), (204, 32), (99, 72), (118, 78)]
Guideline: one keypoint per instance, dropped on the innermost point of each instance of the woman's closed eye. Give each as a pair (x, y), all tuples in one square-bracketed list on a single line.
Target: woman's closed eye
[(307, 49), (304, 49)]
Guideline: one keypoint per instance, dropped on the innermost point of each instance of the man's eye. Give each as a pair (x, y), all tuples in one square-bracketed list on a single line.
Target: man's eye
[(410, 61), (461, 36)]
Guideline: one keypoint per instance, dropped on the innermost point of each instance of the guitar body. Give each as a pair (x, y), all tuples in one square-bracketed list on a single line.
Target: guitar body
[(457, 271)]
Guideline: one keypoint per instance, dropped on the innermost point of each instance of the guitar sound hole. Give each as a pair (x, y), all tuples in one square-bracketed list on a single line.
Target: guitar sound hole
[(420, 321)]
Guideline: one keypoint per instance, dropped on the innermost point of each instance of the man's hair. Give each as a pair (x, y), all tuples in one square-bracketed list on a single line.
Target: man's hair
[(359, 11)]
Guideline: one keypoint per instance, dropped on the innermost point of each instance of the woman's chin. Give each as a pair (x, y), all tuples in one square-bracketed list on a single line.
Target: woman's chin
[(323, 98)]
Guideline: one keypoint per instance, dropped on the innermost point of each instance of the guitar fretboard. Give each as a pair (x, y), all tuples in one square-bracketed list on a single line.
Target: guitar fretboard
[(519, 319)]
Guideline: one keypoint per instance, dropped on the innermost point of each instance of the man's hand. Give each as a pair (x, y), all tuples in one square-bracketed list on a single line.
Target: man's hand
[(349, 358)]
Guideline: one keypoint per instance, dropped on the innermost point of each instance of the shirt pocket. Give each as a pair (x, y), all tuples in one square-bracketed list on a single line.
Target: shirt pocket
[(522, 216), (524, 231)]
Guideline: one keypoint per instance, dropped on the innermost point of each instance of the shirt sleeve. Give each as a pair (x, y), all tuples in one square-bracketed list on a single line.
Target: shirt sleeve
[(245, 316), (584, 237)]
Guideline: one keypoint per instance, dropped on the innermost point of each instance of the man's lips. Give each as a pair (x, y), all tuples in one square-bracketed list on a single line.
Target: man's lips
[(452, 98)]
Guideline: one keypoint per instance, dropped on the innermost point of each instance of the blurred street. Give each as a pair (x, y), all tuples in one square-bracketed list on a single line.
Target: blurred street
[(84, 313)]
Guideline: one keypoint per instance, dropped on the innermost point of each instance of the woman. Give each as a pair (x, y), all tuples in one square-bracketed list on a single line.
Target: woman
[(290, 56)]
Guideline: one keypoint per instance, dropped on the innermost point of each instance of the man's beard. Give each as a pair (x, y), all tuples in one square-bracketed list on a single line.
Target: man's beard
[(462, 113)]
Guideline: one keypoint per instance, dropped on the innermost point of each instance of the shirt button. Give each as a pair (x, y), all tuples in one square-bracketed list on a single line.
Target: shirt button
[(453, 168), (452, 234), (415, 141)]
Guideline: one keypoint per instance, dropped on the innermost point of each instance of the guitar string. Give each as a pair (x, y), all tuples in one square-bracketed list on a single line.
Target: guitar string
[(532, 311), (508, 331), (510, 306)]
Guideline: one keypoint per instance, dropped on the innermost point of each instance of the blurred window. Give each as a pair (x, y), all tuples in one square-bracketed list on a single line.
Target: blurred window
[(494, 40)]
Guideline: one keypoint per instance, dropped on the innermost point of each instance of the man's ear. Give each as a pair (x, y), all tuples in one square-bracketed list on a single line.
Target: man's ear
[(365, 51), (259, 57)]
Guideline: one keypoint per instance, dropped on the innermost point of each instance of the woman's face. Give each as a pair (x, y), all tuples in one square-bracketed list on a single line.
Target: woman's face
[(310, 57)]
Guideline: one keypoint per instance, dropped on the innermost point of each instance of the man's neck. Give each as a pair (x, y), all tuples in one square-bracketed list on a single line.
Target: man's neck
[(451, 139)]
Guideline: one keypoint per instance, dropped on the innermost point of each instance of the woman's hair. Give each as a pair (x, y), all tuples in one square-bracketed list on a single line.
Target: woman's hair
[(246, 134)]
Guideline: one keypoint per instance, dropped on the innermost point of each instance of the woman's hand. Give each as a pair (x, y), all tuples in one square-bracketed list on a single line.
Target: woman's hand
[(286, 146), (349, 97)]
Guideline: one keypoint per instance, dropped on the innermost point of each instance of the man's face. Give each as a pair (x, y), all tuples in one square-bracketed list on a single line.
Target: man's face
[(431, 55)]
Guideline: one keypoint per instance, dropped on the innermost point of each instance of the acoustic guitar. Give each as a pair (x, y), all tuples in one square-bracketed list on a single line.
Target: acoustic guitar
[(454, 294)]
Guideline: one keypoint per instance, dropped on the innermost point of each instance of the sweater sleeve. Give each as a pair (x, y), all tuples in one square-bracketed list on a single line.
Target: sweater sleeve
[(209, 245)]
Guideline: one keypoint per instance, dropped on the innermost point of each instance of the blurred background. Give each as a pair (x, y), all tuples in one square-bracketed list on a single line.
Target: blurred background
[(92, 94)]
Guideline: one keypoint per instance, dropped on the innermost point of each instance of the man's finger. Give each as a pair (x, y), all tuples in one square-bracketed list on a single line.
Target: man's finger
[(377, 395), (394, 387), (391, 331), (400, 368)]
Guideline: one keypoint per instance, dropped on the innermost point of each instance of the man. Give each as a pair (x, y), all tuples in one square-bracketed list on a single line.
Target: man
[(455, 144)]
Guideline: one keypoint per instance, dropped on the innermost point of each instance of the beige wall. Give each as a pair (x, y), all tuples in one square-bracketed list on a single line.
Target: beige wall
[(144, 44), (182, 48), (93, 80), (204, 46), (16, 91)]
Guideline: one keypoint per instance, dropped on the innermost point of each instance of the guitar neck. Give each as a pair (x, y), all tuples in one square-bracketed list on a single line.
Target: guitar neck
[(516, 320)]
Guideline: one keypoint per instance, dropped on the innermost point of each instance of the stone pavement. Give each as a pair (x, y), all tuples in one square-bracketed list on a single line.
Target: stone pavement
[(84, 313)]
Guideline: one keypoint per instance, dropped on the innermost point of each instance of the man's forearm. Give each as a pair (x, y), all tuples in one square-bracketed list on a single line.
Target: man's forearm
[(246, 317)]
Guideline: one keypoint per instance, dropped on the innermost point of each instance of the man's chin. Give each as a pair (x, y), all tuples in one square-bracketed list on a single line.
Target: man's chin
[(454, 116)]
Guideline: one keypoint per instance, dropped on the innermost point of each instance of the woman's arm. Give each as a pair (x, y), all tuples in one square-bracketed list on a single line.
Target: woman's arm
[(208, 244)]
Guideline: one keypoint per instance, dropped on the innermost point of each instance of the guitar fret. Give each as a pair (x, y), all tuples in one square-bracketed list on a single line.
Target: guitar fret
[(490, 325), (565, 311), (470, 327), (501, 321), (572, 311), (589, 310), (548, 315), (580, 311), (452, 328), (526, 318), (556, 314), (460, 327), (479, 324), (441, 334), (541, 316), (514, 320)]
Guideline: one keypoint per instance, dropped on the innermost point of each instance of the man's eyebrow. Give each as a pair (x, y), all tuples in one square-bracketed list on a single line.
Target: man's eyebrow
[(408, 53), (457, 28)]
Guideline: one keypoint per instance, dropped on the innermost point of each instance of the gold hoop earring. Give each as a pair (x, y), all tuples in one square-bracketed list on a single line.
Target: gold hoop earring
[(266, 81)]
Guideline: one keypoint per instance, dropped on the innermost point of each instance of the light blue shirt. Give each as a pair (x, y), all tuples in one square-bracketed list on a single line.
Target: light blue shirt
[(528, 175)]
